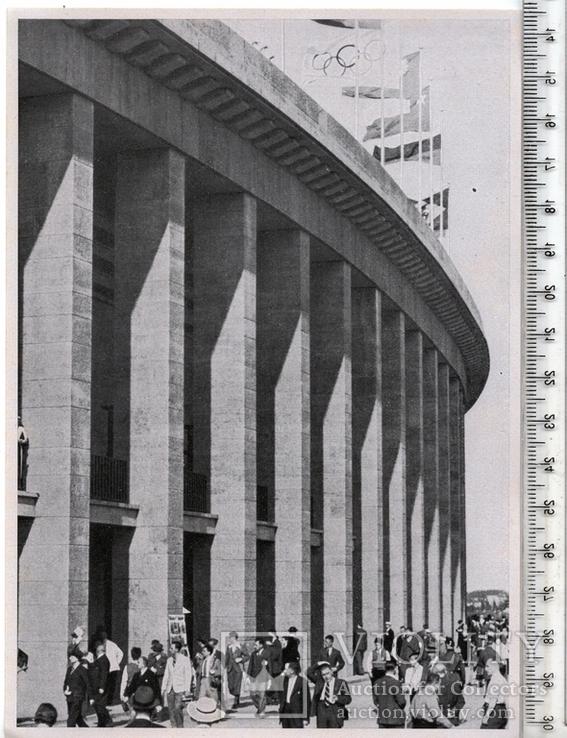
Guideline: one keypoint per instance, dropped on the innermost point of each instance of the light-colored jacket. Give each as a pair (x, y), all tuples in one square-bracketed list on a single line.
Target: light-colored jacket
[(177, 676), (114, 654)]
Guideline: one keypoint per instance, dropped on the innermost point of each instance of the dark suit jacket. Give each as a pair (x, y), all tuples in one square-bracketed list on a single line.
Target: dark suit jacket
[(389, 701), (255, 663), (335, 659), (454, 662), (148, 677), (389, 640), (344, 698), (299, 704), (291, 651), (98, 674), (78, 682), (450, 696), (406, 644), (360, 640), (275, 651)]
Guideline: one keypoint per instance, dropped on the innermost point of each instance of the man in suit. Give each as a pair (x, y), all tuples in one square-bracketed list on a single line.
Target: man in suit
[(330, 699), (143, 676), (259, 676), (450, 694), (389, 699), (488, 653), (331, 655), (235, 658), (406, 645), (176, 683), (275, 666), (388, 637), (295, 698), (145, 700), (98, 679), (76, 690), (454, 661), (360, 646)]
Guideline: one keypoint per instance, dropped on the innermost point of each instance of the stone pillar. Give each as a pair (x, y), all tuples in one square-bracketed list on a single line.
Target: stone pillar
[(225, 398), (431, 487), (455, 494), (463, 520), (55, 260), (394, 444), (367, 449), (444, 498), (284, 413), (331, 415), (414, 475), (149, 330)]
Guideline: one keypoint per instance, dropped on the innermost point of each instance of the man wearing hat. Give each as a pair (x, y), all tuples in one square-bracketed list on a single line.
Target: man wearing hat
[(205, 711), (75, 689), (144, 702), (388, 637), (157, 660)]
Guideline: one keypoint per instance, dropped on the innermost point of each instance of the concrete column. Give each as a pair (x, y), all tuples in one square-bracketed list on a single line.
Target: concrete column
[(415, 478), (455, 494), (431, 487), (331, 414), (149, 328), (367, 450), (284, 413), (394, 445), (55, 269), (225, 398), (463, 521), (444, 498)]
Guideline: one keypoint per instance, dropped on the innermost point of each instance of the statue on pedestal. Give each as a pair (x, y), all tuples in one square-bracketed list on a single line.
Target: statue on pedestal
[(23, 448)]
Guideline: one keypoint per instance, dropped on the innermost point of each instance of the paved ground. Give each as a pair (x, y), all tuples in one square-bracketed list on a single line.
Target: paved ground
[(359, 712)]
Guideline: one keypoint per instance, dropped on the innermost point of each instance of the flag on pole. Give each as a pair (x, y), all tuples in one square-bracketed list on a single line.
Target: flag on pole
[(351, 23), (411, 120), (374, 93), (440, 209), (411, 151)]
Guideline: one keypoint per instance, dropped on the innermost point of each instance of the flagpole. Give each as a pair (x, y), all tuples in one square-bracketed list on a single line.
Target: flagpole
[(382, 54), (401, 104), (441, 233), (419, 146), (356, 81), (283, 45), (431, 222), (448, 236)]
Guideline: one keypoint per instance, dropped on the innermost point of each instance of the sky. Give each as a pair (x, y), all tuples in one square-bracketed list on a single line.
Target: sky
[(466, 63)]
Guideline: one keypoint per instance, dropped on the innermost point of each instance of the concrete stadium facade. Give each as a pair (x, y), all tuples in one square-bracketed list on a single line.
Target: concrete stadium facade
[(244, 359)]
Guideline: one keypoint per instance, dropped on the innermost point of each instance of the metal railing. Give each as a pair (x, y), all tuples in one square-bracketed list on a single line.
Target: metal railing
[(109, 479), (196, 492)]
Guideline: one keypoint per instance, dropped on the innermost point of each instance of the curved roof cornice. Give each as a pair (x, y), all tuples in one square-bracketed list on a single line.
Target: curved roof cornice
[(208, 64)]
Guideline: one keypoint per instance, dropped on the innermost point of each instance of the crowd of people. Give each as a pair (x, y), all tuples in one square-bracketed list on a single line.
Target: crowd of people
[(417, 678)]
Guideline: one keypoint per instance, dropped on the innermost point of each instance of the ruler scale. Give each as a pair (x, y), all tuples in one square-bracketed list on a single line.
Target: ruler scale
[(544, 572)]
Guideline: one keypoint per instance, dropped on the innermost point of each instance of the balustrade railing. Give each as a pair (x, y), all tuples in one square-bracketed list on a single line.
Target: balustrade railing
[(109, 479)]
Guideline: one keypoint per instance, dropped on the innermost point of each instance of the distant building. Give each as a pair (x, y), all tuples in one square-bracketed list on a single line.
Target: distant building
[(244, 358)]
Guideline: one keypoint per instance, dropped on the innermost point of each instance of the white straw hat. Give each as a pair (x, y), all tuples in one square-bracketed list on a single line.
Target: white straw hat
[(205, 710)]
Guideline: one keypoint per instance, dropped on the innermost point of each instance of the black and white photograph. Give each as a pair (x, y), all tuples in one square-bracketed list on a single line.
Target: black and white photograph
[(263, 376)]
